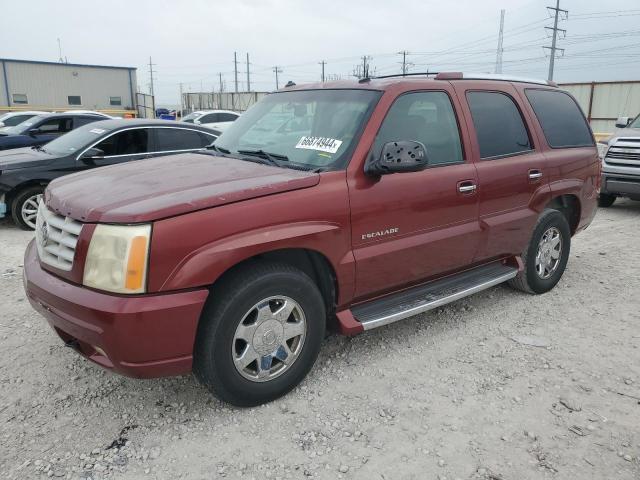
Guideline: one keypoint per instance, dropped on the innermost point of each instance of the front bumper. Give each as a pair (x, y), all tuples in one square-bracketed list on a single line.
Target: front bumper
[(140, 336), (620, 184)]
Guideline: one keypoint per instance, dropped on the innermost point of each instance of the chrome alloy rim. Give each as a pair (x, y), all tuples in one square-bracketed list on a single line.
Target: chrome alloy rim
[(549, 253), (30, 210), (269, 338)]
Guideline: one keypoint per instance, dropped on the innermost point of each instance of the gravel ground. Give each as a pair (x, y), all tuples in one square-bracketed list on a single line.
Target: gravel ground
[(502, 385)]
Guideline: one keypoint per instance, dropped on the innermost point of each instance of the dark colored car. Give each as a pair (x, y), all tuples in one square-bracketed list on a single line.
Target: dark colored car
[(25, 172), (42, 129), (379, 200)]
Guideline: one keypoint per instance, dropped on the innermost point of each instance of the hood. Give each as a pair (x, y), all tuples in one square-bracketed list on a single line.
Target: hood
[(626, 132), (147, 190), (22, 158)]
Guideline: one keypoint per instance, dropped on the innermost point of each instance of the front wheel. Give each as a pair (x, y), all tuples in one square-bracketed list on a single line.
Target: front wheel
[(605, 200), (546, 256), (24, 208), (260, 333)]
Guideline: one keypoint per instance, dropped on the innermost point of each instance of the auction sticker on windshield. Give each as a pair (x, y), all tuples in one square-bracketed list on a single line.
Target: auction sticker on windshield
[(321, 144)]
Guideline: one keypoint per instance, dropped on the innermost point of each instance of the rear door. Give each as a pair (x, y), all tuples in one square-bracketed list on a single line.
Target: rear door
[(512, 170), (409, 227)]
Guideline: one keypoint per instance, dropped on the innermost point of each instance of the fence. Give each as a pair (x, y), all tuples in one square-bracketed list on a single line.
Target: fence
[(145, 105), (604, 102), (238, 102)]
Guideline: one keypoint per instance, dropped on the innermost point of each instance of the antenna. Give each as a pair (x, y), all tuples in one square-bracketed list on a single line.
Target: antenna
[(60, 59)]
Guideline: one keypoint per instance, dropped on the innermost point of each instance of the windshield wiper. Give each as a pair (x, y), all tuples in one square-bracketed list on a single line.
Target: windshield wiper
[(218, 149), (272, 158)]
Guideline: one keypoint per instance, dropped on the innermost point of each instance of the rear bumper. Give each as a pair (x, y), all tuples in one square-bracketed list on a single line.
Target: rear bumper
[(620, 184), (139, 336)]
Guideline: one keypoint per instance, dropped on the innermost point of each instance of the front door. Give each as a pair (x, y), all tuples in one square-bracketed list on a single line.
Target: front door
[(409, 227)]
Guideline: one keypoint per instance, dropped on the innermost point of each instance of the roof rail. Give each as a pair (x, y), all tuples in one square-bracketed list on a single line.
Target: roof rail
[(491, 76), (412, 74)]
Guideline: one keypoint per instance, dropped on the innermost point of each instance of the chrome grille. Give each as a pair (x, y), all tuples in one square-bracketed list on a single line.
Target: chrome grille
[(625, 152), (56, 238)]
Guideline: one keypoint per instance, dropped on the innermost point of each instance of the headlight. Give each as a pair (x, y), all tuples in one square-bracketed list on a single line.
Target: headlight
[(602, 149), (117, 258)]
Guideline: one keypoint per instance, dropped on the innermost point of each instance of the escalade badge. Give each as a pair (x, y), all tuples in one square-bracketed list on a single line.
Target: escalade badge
[(380, 233)]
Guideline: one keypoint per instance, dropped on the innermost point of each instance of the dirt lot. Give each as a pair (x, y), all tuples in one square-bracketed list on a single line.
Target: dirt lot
[(498, 386)]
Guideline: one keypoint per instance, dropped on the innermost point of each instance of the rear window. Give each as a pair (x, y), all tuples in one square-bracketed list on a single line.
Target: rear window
[(560, 118), (499, 125)]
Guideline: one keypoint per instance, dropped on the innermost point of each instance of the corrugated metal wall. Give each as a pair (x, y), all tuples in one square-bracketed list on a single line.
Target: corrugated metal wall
[(604, 102), (238, 102), (48, 86)]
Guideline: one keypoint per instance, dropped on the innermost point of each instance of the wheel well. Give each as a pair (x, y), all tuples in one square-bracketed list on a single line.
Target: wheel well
[(313, 263), (569, 206), (9, 196)]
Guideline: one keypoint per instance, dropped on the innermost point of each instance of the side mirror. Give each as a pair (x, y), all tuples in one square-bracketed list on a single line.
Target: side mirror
[(622, 122), (33, 131), (92, 154), (398, 157)]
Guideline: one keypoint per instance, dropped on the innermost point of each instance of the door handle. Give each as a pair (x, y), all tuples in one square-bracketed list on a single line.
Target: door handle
[(467, 188), (535, 174)]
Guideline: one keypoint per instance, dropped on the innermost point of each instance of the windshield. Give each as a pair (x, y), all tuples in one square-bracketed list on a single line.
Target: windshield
[(191, 117), (75, 140), (23, 127), (311, 128), (635, 123)]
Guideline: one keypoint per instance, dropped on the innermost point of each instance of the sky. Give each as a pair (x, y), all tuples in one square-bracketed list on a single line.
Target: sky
[(193, 41)]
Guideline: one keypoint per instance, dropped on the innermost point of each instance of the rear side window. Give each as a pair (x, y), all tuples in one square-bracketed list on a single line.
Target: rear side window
[(168, 139), (498, 124), (209, 118), (227, 117), (127, 142), (425, 117), (560, 118)]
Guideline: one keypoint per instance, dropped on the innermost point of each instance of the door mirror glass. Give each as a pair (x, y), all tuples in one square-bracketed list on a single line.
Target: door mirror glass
[(398, 157), (92, 154), (622, 122)]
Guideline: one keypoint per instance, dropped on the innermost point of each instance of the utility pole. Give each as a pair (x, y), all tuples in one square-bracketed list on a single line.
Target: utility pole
[(61, 60), (499, 51), (248, 80), (153, 97), (277, 70), (323, 63), (220, 92), (235, 70), (554, 38), (365, 66), (405, 64), (181, 101)]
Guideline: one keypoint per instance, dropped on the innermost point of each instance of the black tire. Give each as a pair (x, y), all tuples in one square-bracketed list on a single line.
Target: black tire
[(528, 280), (18, 202), (605, 200), (213, 363)]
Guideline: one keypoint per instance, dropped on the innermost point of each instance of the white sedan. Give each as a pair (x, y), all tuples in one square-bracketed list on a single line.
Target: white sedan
[(215, 119), (11, 119)]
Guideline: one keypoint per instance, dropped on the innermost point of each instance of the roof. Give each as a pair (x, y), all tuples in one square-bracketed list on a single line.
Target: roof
[(60, 64), (114, 123)]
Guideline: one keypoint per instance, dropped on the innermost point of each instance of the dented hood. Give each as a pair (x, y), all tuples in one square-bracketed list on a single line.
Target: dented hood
[(147, 190)]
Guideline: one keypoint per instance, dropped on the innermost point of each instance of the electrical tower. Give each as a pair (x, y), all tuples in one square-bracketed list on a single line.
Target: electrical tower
[(277, 70), (557, 12), (499, 51)]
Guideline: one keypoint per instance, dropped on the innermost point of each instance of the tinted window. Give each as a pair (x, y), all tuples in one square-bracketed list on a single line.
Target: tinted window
[(226, 117), (129, 142), (168, 139), (498, 123), (560, 118), (74, 100), (425, 117), (11, 121), (208, 139), (55, 125), (209, 118), (79, 121)]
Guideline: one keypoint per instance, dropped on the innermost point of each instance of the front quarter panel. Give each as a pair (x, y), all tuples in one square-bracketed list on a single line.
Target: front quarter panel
[(195, 249)]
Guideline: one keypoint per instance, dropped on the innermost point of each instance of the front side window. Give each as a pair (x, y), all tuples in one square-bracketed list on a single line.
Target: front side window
[(169, 139), (76, 140), (128, 142), (115, 101), (499, 125), (74, 100), (191, 117), (425, 117), (560, 118), (55, 125), (314, 129), (20, 98)]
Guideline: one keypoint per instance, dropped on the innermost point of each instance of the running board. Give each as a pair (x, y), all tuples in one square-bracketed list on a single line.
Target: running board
[(431, 295)]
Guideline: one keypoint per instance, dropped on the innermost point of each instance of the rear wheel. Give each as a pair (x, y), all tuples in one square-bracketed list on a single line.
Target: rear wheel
[(546, 256), (24, 208), (605, 200), (260, 334)]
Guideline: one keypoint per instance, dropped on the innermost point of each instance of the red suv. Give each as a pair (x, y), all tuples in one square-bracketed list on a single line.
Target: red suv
[(354, 204)]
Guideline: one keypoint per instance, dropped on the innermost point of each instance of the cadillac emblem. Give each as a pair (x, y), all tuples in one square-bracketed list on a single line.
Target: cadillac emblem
[(44, 233)]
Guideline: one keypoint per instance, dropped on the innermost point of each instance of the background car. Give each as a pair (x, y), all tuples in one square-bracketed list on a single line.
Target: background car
[(91, 112), (27, 171), (217, 119), (12, 119), (42, 129)]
